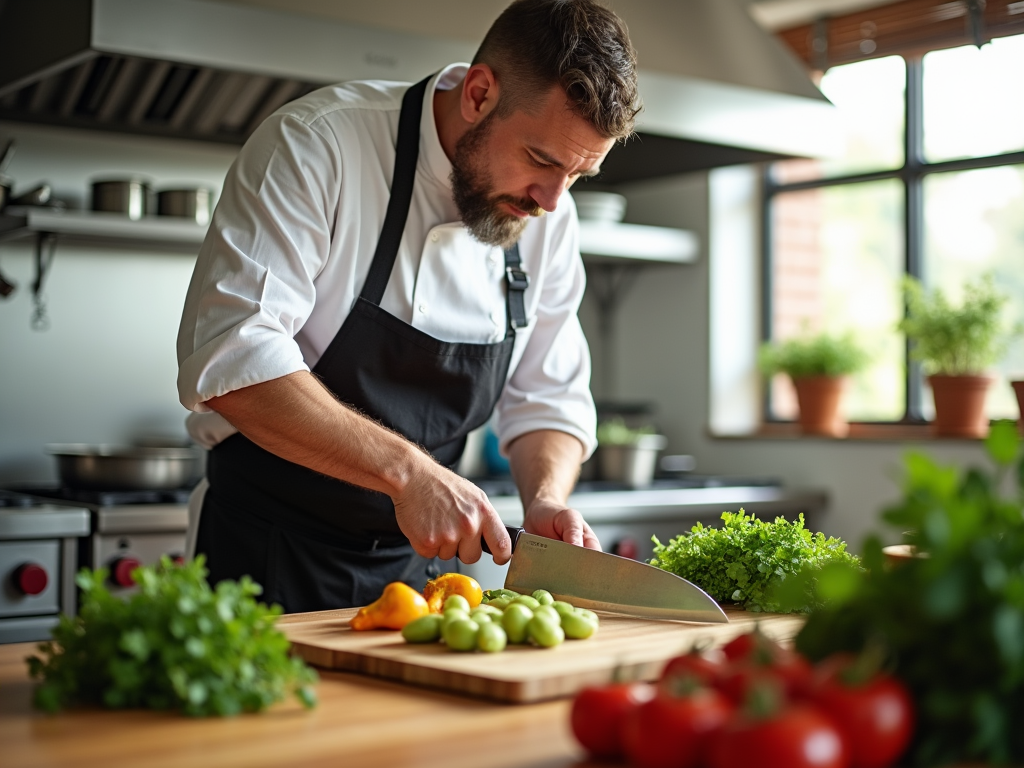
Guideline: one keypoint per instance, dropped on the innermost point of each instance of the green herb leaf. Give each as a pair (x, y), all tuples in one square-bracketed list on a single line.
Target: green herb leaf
[(174, 644), (747, 560)]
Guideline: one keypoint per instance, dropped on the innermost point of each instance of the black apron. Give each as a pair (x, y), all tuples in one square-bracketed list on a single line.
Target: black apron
[(315, 542)]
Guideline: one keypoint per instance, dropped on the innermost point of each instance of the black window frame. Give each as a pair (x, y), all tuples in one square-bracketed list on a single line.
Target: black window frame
[(912, 174)]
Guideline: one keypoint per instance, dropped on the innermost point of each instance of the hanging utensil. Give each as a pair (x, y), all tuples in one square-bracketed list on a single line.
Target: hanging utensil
[(6, 155), (46, 246)]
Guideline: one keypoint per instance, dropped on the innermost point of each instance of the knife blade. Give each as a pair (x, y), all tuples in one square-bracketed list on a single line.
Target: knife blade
[(599, 581)]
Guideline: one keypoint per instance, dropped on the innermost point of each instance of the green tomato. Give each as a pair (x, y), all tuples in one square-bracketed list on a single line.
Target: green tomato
[(548, 613), (490, 610), (543, 597), (425, 629), (456, 601), (544, 632), (501, 603), (563, 607), (460, 634), (481, 618), (516, 617), (578, 627), (454, 614), (491, 638), (588, 615), (510, 594), (530, 602)]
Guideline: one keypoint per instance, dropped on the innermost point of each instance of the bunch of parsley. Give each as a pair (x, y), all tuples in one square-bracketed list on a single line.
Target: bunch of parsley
[(746, 559), (175, 644)]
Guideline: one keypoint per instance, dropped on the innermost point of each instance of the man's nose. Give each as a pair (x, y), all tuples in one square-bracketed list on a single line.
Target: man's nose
[(546, 194)]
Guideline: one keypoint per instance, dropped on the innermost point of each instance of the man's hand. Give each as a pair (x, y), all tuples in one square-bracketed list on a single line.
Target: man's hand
[(557, 521), (545, 465), (444, 515)]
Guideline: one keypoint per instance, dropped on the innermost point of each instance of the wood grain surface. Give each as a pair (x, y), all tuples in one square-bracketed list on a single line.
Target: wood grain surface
[(627, 648), (360, 723)]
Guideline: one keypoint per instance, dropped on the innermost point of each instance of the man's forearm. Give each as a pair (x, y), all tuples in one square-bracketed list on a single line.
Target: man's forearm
[(545, 465), (296, 418)]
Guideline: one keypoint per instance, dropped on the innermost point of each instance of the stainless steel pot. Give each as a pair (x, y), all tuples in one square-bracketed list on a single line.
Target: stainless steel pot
[(127, 196), (116, 468), (192, 203), (634, 463)]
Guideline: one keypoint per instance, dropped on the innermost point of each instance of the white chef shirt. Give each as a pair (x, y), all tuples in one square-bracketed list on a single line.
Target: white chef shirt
[(291, 243)]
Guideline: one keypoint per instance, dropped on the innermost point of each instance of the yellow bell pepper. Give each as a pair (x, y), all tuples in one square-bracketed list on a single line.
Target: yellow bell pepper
[(396, 607), (447, 584)]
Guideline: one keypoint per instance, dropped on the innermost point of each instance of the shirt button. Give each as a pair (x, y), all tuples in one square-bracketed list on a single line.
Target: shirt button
[(422, 308), (434, 237)]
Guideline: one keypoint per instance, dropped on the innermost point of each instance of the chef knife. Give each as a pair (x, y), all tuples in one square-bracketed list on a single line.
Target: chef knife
[(603, 582)]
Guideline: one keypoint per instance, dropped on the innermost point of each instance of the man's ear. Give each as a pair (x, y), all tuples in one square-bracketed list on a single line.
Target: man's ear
[(480, 92)]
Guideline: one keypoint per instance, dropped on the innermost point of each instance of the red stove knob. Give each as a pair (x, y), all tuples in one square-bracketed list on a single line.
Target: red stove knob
[(121, 571), (31, 579), (626, 548)]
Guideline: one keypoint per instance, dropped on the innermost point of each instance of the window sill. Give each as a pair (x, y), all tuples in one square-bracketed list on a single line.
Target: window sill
[(859, 432)]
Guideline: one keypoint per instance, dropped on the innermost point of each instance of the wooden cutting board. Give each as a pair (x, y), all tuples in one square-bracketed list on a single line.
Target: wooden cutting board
[(631, 649)]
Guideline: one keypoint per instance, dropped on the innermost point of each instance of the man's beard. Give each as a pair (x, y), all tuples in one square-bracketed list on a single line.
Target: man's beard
[(472, 186)]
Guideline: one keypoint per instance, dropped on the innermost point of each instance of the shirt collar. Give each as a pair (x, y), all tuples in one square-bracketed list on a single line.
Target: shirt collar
[(432, 157)]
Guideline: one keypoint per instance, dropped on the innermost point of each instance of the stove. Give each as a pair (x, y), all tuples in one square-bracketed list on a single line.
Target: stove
[(39, 545), (127, 528)]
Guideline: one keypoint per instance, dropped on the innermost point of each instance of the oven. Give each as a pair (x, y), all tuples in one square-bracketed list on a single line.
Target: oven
[(39, 547), (126, 528)]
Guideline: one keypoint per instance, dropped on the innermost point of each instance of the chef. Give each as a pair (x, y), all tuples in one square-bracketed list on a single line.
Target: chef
[(388, 265)]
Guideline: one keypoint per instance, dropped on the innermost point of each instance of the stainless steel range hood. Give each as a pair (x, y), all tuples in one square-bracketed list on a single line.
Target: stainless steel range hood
[(717, 89)]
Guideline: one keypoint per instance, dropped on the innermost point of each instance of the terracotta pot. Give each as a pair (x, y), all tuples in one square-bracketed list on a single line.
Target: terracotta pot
[(819, 398), (1018, 388), (960, 405)]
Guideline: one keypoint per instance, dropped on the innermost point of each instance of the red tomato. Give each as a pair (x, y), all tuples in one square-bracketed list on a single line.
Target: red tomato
[(696, 666), (876, 719), (741, 646), (792, 672), (798, 737), (598, 713), (673, 731)]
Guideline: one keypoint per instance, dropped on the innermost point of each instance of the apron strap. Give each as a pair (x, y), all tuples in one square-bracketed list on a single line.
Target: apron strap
[(407, 154), (516, 282)]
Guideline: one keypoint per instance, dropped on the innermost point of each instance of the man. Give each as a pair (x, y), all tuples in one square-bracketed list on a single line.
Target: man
[(378, 278)]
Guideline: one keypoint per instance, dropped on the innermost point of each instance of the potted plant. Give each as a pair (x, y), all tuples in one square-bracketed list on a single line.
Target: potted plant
[(628, 455), (956, 344), (819, 367)]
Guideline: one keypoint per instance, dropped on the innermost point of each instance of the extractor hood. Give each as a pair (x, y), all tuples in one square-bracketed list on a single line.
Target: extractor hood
[(717, 89)]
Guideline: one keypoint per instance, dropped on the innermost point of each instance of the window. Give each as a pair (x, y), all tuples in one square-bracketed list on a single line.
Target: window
[(932, 185)]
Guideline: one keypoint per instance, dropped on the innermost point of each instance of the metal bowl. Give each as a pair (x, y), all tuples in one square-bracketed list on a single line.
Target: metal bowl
[(125, 468)]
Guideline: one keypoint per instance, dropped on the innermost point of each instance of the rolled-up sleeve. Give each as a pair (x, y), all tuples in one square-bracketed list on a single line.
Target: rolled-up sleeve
[(252, 289), (550, 386)]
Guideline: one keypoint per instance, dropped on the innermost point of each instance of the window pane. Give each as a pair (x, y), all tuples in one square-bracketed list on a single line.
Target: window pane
[(837, 262), (974, 223), (974, 100), (869, 96)]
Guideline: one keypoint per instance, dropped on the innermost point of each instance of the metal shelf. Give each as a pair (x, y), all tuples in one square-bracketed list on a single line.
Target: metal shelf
[(103, 229), (616, 243)]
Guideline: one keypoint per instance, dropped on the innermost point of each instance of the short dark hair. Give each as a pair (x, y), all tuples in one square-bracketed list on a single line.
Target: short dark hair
[(577, 44)]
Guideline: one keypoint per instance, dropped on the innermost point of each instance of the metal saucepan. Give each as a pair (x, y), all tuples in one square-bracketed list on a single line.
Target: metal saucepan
[(191, 203), (128, 196), (132, 468)]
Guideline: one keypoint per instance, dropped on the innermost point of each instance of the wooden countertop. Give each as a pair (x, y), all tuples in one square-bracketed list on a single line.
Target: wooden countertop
[(359, 722)]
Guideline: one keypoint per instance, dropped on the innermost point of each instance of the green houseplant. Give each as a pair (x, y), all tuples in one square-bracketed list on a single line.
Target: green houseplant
[(819, 366), (956, 344)]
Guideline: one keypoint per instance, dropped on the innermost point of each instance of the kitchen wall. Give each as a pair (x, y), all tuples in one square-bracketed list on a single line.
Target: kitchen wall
[(105, 370), (662, 355)]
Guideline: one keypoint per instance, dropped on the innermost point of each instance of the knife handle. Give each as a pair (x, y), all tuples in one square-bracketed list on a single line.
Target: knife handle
[(513, 532)]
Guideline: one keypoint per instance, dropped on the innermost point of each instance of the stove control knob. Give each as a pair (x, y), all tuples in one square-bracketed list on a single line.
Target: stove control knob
[(121, 571), (626, 548), (31, 579)]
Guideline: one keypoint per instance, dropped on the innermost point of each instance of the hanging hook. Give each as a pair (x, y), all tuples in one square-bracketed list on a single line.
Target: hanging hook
[(976, 21), (46, 246)]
